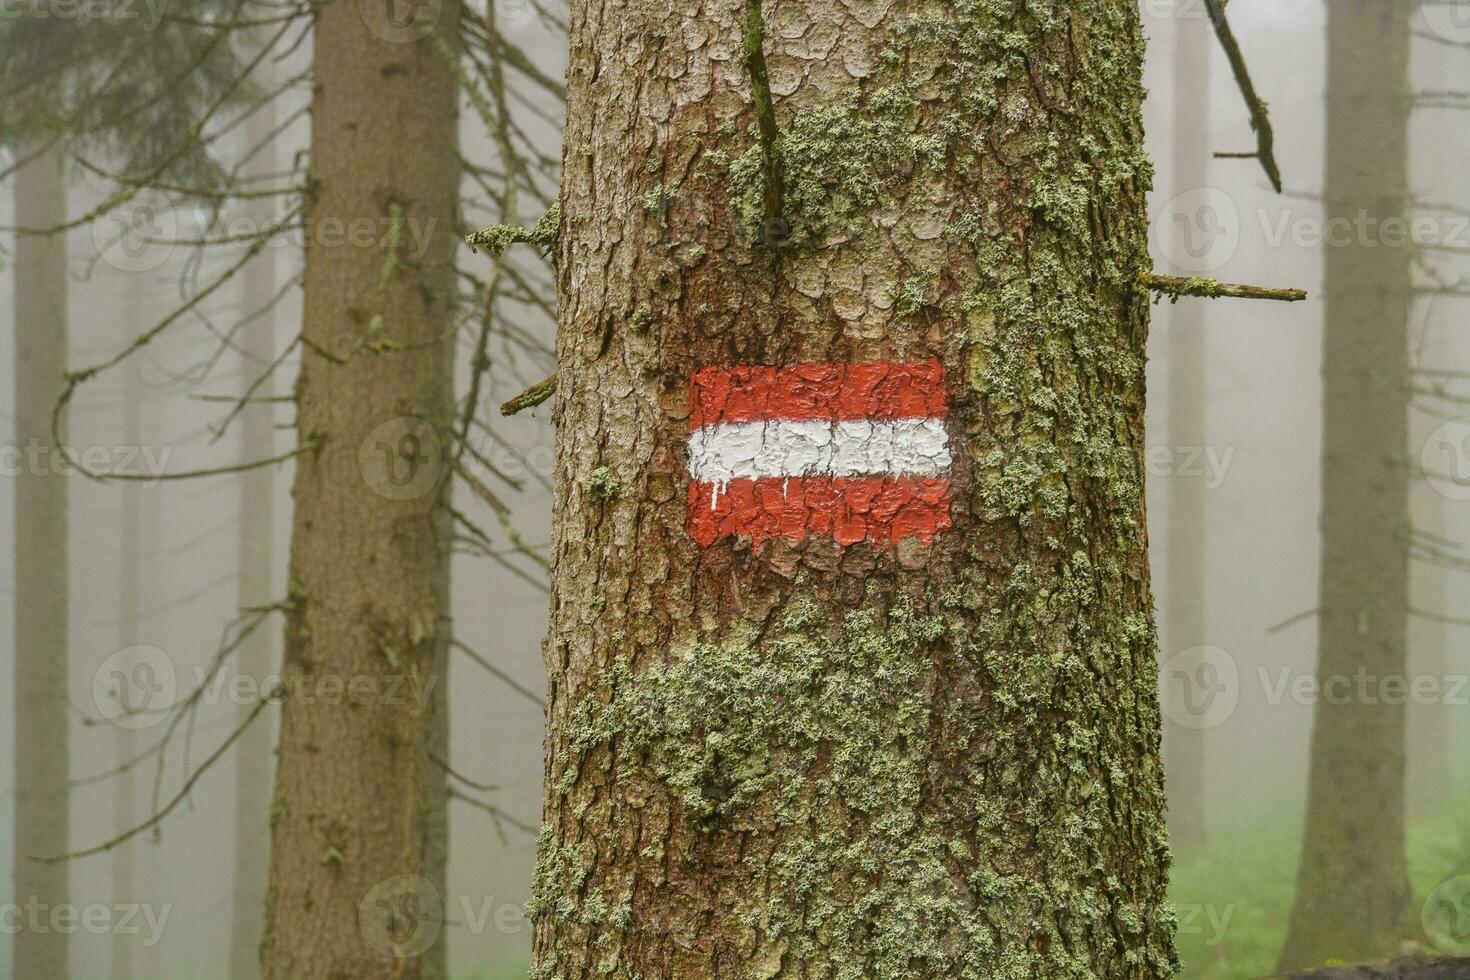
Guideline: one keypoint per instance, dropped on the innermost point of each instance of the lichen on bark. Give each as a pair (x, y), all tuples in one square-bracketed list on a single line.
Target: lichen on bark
[(906, 760)]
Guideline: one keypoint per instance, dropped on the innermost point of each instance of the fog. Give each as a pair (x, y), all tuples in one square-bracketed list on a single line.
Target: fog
[(155, 563)]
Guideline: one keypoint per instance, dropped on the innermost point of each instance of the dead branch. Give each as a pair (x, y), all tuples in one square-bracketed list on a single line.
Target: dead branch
[(1260, 119), (179, 797), (1177, 286), (496, 672), (531, 397)]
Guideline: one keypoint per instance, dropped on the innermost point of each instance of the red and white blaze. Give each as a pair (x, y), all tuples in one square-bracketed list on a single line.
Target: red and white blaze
[(858, 452)]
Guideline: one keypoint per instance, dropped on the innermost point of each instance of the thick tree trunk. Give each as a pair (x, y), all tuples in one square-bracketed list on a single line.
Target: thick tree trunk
[(352, 837), (1352, 889), (256, 562), (894, 758), (1183, 621), (41, 569)]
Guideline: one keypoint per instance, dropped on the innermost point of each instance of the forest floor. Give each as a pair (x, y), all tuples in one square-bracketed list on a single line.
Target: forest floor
[(1415, 968), (1235, 898)]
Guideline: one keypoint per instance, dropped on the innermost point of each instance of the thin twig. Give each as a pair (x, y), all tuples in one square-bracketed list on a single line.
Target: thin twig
[(159, 815), (442, 764), (495, 812), (508, 680)]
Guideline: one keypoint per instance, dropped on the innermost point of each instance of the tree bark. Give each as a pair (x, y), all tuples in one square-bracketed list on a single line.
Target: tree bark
[(352, 839), (899, 759), (42, 736), (1352, 887), (1183, 622), (256, 563)]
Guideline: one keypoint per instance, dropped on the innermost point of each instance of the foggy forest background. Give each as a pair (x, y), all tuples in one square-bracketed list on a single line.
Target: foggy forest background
[(160, 570)]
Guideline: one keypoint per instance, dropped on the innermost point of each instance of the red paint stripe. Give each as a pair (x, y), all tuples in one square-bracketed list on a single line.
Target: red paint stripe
[(818, 391), (879, 509)]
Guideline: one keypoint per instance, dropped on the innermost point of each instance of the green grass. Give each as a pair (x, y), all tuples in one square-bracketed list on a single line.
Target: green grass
[(1234, 899)]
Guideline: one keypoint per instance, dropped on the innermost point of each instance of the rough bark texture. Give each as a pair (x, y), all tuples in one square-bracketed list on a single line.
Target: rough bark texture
[(256, 562), (1183, 619), (1352, 889), (914, 761), (353, 835), (41, 567)]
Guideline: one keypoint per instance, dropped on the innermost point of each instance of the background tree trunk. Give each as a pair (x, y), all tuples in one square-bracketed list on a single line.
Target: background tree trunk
[(351, 843), (1183, 624), (256, 588), (131, 579), (1352, 888), (42, 810), (1431, 732), (910, 759)]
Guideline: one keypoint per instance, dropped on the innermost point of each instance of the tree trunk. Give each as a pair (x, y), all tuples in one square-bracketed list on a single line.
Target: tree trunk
[(1352, 888), (41, 569), (131, 578), (1183, 623), (1431, 725), (369, 575), (256, 560), (894, 713)]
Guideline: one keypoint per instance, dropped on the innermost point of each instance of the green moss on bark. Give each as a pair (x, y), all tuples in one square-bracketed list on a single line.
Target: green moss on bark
[(822, 736)]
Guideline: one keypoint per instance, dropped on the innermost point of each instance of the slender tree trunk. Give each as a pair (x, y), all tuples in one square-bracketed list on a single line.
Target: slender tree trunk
[(352, 839), (256, 559), (131, 537), (921, 740), (1183, 623), (1352, 889), (42, 810), (1430, 725), (1431, 732)]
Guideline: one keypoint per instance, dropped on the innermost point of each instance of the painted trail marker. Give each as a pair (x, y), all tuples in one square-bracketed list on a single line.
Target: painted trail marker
[(857, 452)]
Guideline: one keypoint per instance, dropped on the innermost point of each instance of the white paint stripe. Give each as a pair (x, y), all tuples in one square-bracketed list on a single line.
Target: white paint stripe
[(760, 450)]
